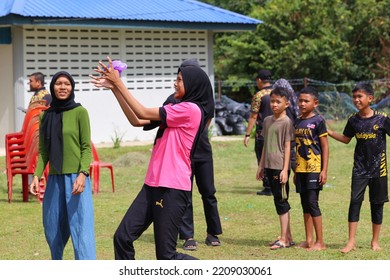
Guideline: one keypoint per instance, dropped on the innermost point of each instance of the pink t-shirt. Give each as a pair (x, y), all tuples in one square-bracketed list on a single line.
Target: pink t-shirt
[(170, 163)]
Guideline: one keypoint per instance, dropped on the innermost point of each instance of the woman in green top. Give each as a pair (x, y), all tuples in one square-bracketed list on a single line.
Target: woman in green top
[(67, 204)]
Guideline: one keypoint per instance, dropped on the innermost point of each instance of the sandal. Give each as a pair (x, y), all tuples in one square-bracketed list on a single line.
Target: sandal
[(272, 243), (190, 245), (278, 245), (212, 240)]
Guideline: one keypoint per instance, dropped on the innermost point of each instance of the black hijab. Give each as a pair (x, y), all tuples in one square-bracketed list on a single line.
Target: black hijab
[(209, 101), (51, 126), (198, 90)]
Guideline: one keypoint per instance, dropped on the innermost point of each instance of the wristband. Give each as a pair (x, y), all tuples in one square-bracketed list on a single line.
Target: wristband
[(85, 173), (247, 135)]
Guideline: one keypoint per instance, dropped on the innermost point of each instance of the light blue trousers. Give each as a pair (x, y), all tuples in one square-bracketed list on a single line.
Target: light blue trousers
[(66, 215)]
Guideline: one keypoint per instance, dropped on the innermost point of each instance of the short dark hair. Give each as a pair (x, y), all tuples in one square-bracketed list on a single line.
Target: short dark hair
[(39, 77), (364, 86), (264, 75), (310, 90), (281, 91)]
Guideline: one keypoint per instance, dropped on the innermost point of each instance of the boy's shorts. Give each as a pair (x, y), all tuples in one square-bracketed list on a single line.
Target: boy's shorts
[(282, 205), (307, 181), (378, 192)]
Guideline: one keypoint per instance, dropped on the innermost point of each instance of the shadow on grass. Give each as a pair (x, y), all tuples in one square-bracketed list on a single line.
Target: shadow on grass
[(239, 191)]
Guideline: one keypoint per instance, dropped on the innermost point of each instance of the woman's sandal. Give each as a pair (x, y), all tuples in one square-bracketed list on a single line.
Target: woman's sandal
[(212, 240), (190, 245)]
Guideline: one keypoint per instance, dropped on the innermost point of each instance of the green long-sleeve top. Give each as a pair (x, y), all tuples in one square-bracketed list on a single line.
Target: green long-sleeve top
[(76, 133)]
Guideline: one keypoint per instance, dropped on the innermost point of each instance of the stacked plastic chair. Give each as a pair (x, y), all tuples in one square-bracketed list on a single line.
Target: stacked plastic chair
[(94, 170), (22, 150), (42, 184)]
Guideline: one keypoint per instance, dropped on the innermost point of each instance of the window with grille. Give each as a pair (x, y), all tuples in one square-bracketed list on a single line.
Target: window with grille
[(152, 56)]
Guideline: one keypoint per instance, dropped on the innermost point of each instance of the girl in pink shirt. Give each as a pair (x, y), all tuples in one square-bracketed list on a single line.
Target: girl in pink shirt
[(167, 186)]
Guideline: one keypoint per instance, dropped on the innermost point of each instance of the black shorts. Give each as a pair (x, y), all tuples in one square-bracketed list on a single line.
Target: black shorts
[(309, 202), (307, 181), (282, 205), (378, 192)]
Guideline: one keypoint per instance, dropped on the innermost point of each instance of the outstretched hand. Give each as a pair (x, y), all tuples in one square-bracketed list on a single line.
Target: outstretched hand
[(108, 75), (101, 82)]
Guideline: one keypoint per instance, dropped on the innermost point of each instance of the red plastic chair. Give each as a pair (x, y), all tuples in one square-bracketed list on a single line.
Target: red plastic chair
[(94, 170), (21, 145), (22, 150), (31, 116), (27, 167), (23, 167), (42, 184)]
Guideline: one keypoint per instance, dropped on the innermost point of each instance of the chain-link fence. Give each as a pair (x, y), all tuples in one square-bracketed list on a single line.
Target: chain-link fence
[(333, 97), (335, 101)]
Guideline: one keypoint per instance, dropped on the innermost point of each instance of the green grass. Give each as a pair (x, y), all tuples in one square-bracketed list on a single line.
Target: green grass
[(249, 221)]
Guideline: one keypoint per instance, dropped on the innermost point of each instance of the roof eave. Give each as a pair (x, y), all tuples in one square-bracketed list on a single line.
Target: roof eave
[(13, 19)]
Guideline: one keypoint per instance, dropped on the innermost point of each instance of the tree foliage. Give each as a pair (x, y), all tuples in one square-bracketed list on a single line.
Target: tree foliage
[(369, 41), (329, 40)]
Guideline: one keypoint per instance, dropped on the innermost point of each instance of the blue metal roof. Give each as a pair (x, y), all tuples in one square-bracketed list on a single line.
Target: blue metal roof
[(179, 11)]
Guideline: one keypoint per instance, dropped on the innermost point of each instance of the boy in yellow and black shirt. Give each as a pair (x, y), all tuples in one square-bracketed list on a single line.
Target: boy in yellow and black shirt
[(312, 153)]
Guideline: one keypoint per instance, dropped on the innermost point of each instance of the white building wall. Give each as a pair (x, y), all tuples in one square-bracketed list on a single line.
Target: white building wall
[(152, 56), (7, 106)]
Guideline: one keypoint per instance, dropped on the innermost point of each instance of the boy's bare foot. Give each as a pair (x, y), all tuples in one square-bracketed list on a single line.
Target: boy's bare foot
[(317, 247), (304, 245), (348, 248), (375, 247)]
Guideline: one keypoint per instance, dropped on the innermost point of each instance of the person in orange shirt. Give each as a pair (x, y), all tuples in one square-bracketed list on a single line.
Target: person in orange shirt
[(37, 85)]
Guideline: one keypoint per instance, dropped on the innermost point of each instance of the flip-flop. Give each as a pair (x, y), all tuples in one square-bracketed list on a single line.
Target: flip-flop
[(212, 240), (272, 243), (190, 245), (278, 245), (292, 243)]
